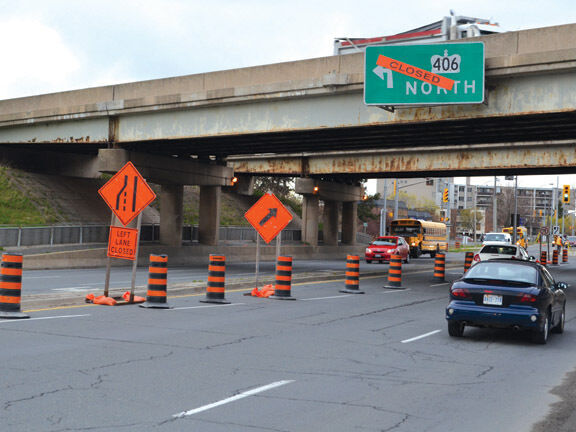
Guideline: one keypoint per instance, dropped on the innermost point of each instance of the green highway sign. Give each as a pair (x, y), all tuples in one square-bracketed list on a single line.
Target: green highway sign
[(433, 74)]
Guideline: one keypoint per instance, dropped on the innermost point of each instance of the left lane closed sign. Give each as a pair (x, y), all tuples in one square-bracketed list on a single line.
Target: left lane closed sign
[(122, 243)]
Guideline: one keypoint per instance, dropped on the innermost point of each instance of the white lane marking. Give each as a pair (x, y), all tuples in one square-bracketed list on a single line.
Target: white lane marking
[(421, 336), (234, 398), (207, 306), (396, 291), (440, 284), (41, 318), (324, 298)]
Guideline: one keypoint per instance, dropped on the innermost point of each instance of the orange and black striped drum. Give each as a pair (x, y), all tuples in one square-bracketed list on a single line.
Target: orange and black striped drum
[(564, 255), (156, 296), (395, 272), (216, 286), (352, 282), (439, 268), (283, 286), (11, 286), (468, 260), (543, 257), (555, 257)]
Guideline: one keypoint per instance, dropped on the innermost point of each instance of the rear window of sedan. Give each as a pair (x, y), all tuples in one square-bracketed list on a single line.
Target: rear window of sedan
[(501, 250), (385, 242), (490, 270)]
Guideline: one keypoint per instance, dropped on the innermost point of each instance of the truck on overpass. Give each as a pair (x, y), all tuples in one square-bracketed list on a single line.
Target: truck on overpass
[(448, 28)]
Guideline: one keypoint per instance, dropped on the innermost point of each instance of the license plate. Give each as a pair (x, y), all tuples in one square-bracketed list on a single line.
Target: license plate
[(377, 256), (494, 300)]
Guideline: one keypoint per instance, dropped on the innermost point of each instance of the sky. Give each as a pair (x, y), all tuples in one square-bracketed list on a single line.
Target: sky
[(57, 45)]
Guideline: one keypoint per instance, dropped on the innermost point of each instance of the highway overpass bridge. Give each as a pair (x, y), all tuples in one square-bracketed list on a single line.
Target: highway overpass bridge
[(305, 119)]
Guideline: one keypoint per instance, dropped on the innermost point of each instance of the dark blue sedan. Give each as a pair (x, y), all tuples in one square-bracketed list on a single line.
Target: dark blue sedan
[(507, 294)]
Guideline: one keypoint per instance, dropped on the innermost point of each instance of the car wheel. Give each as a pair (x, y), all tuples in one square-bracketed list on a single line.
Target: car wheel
[(368, 261), (432, 254), (560, 326), (455, 328), (541, 335)]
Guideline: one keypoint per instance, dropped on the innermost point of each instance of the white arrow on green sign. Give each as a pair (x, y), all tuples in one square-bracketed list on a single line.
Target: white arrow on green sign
[(433, 74)]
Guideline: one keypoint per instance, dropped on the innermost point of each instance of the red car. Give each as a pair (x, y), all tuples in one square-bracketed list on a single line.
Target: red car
[(382, 248)]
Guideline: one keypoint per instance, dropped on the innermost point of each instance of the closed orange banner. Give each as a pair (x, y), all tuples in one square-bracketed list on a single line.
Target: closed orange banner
[(415, 72)]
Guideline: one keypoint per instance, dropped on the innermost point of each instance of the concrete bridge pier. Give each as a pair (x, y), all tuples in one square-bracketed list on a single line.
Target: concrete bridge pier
[(331, 222), (171, 214), (209, 215), (332, 194)]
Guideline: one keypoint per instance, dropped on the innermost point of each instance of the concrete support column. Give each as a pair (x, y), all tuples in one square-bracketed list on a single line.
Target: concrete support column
[(349, 222), (310, 219), (171, 214), (331, 217), (209, 215)]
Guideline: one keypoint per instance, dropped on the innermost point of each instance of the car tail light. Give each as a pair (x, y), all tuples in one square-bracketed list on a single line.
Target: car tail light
[(460, 293), (477, 258), (528, 298)]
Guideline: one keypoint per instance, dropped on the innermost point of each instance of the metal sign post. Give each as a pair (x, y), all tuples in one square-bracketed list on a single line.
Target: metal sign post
[(257, 257), (135, 262)]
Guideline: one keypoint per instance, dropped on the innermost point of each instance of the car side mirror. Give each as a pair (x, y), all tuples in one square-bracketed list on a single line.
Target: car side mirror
[(561, 285)]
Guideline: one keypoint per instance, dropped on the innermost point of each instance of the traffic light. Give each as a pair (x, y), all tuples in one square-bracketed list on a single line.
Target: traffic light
[(566, 194), (445, 195)]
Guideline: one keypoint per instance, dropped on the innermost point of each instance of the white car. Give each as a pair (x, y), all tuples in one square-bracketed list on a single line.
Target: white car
[(493, 250)]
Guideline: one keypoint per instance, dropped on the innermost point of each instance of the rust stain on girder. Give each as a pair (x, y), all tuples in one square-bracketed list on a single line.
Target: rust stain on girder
[(60, 140)]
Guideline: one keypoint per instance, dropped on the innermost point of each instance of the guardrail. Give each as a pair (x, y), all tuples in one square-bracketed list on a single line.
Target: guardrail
[(81, 234)]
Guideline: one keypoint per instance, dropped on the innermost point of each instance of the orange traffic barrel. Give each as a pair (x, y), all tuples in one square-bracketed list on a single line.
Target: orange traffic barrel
[(555, 257), (457, 244), (395, 272), (157, 281), (468, 261), (543, 257), (352, 283), (439, 267), (216, 280), (11, 286), (564, 255), (283, 279)]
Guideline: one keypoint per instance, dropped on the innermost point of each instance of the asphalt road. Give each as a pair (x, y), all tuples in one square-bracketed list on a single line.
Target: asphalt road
[(328, 361)]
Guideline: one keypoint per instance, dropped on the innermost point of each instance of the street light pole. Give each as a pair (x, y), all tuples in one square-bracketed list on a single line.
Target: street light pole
[(514, 233), (494, 211)]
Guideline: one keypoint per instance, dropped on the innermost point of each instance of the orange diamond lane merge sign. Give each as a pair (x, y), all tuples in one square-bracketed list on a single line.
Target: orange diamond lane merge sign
[(268, 216), (127, 193)]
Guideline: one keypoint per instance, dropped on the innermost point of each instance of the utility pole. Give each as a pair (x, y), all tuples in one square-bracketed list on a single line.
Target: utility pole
[(494, 209), (515, 234), (383, 217)]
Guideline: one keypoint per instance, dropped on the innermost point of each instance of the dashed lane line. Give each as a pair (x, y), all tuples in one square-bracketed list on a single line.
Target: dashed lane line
[(234, 398), (4, 321), (421, 336)]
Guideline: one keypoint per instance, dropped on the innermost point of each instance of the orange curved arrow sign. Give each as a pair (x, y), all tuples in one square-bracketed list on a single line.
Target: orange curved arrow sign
[(415, 72)]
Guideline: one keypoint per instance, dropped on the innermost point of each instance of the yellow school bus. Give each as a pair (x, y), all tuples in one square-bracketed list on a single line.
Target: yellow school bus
[(521, 234), (422, 236)]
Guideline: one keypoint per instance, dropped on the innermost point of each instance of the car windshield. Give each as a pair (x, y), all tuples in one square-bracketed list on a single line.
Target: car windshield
[(495, 237), (498, 249), (391, 241), (490, 270)]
